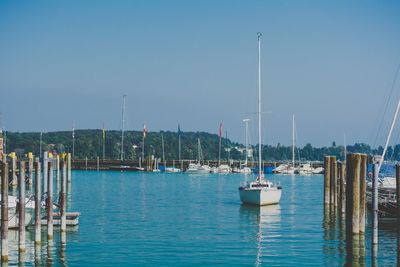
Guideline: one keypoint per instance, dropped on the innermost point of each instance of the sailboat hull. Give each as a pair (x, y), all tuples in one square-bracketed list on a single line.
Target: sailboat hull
[(260, 196)]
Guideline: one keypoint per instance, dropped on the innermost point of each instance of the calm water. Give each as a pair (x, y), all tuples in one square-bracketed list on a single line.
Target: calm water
[(146, 219)]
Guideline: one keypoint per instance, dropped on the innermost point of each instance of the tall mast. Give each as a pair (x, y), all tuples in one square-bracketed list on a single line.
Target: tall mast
[(293, 144), (40, 145), (104, 142), (123, 125), (73, 140), (344, 147), (389, 135), (246, 121), (260, 172), (162, 143)]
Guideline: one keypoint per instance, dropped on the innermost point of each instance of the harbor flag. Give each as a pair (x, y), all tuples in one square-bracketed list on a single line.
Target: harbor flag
[(144, 130), (220, 130)]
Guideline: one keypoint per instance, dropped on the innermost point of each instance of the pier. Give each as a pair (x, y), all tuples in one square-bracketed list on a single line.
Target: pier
[(27, 213)]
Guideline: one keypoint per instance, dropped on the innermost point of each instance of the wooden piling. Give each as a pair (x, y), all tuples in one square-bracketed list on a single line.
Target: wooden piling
[(356, 194), (341, 188), (50, 203), (363, 191), (45, 171), (38, 194), (349, 192), (333, 182), (63, 208), (85, 163), (57, 168), (69, 167), (327, 180), (14, 177), (21, 208), (30, 168), (98, 163), (4, 212)]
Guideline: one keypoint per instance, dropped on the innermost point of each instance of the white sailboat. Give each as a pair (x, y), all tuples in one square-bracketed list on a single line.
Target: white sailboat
[(198, 168), (260, 192), (243, 167)]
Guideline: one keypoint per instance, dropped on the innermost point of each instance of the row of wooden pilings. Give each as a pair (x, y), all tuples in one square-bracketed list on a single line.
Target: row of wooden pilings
[(37, 171), (345, 194)]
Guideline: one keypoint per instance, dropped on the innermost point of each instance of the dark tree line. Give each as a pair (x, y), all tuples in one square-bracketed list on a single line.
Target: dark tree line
[(89, 143)]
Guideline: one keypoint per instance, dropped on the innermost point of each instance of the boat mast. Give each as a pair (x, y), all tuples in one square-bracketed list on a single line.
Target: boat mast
[(260, 172), (73, 140), (123, 125), (246, 121), (198, 150), (162, 143), (389, 135), (293, 141)]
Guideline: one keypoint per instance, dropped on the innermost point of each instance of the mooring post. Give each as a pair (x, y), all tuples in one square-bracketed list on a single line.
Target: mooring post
[(85, 163), (343, 189), (30, 168), (63, 207), (45, 171), (14, 180), (50, 203), (333, 189), (57, 169), (375, 203), (98, 163), (38, 195), (356, 194), (4, 212), (21, 208), (69, 167), (327, 180), (363, 191), (398, 211)]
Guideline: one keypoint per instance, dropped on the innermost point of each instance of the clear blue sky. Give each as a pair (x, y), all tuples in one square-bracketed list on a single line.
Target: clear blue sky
[(332, 63)]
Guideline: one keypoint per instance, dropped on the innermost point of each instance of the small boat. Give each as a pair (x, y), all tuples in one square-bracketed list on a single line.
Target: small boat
[(198, 167), (243, 170), (260, 192), (305, 169), (223, 168), (172, 170), (319, 170), (13, 218), (72, 219), (126, 168)]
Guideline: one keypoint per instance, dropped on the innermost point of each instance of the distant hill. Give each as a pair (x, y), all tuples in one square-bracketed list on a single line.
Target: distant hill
[(89, 143)]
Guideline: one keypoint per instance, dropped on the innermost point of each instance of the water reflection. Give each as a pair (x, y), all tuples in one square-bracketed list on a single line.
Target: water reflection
[(339, 247), (264, 221)]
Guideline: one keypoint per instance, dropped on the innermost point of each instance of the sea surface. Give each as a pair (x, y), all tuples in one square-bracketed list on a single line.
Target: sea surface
[(161, 219)]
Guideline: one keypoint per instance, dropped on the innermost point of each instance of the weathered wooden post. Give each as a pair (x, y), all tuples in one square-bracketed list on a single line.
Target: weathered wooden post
[(4, 212), (342, 185), (85, 163), (363, 191), (69, 167), (21, 208), (333, 182), (327, 180), (98, 163), (50, 203), (375, 204), (38, 194), (356, 194), (57, 168), (14, 177), (30, 168), (45, 171), (63, 208)]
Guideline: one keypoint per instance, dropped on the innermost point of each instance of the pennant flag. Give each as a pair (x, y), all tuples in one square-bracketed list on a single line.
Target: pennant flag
[(144, 130), (220, 130), (73, 132)]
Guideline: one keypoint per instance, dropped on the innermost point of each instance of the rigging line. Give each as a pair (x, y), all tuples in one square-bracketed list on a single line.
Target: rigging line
[(387, 104)]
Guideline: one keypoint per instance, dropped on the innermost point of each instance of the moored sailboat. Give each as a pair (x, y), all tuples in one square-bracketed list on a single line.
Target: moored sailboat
[(260, 192)]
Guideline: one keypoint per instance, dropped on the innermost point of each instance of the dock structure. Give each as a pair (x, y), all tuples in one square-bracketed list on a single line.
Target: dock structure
[(30, 172), (4, 212)]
